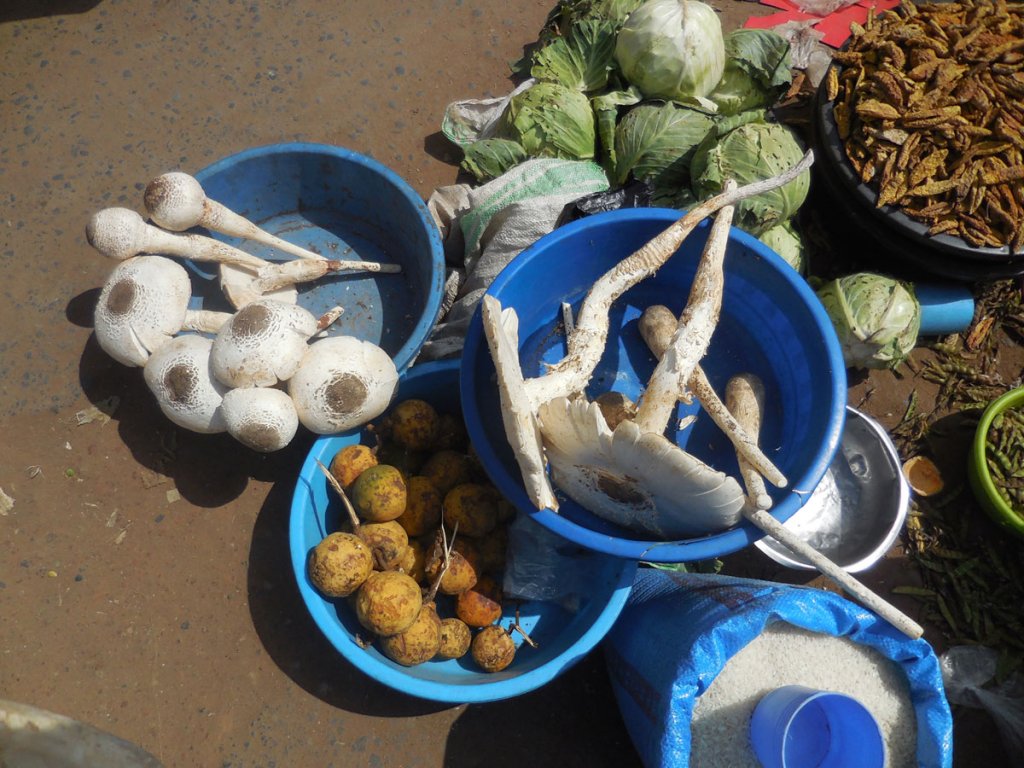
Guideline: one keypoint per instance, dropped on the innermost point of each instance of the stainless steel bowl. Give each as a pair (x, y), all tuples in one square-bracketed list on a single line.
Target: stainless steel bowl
[(858, 509)]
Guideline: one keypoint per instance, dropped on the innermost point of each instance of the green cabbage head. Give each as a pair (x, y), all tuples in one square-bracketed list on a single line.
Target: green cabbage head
[(672, 49), (786, 241), (551, 120), (757, 71), (754, 151), (877, 318)]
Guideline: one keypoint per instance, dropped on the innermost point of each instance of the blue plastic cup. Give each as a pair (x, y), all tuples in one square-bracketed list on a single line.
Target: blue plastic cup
[(799, 727)]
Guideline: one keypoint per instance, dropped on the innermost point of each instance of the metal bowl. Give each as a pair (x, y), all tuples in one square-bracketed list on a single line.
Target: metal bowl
[(858, 509)]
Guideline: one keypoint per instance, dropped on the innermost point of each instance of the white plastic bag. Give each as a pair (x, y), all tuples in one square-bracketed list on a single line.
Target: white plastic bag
[(967, 671)]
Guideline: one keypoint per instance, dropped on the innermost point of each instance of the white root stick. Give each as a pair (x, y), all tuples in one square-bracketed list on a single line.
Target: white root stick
[(591, 333), (693, 332), (656, 325), (176, 201), (741, 397)]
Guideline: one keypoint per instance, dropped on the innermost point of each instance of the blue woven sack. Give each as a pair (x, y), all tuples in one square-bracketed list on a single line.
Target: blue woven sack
[(678, 630)]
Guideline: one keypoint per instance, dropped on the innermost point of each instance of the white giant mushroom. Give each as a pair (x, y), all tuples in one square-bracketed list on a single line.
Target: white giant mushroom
[(260, 418), (179, 375), (177, 201), (143, 305), (520, 399), (264, 342), (343, 382), (120, 233)]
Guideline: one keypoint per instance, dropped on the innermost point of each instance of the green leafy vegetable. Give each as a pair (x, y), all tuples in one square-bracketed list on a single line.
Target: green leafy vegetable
[(786, 241), (550, 120), (580, 60), (672, 49), (757, 71), (489, 158), (877, 318), (566, 14), (606, 109), (656, 141), (755, 150)]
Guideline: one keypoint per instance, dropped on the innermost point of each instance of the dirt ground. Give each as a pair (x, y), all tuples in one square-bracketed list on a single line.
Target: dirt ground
[(145, 585)]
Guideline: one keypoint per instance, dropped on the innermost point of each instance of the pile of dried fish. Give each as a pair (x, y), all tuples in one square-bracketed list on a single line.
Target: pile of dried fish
[(929, 103)]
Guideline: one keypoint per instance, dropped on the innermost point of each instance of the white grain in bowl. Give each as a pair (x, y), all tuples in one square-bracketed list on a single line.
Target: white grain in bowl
[(786, 655)]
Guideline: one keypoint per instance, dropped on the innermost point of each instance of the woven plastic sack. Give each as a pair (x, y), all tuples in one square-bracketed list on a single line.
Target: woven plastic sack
[(678, 630)]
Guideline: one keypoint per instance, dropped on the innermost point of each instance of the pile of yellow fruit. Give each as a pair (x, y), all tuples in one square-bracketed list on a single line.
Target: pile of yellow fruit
[(426, 539)]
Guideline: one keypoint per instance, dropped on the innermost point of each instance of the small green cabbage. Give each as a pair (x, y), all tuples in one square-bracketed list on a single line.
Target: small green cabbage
[(786, 241), (551, 120), (754, 151), (672, 49), (488, 159), (757, 71), (877, 318)]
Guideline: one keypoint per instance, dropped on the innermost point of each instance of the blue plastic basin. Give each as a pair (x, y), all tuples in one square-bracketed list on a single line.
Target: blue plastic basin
[(564, 636), (771, 325), (342, 205)]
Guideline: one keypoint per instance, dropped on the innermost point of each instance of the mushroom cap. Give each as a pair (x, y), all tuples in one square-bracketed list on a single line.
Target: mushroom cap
[(142, 305), (260, 418), (639, 480), (179, 375), (116, 232), (262, 344), (342, 383), (174, 201)]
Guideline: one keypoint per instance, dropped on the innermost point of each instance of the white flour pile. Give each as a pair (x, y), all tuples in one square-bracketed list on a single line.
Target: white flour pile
[(786, 655)]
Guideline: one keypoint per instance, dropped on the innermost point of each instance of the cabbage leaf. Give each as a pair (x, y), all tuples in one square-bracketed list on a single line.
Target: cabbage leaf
[(581, 60), (757, 71), (488, 159), (656, 141)]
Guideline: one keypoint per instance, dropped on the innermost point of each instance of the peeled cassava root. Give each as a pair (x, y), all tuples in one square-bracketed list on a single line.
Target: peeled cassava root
[(431, 546)]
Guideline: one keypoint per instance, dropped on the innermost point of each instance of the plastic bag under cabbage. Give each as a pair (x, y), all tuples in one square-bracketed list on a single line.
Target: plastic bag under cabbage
[(672, 49), (877, 318)]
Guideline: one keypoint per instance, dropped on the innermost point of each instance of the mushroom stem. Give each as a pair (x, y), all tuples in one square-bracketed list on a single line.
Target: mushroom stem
[(588, 339), (241, 288), (204, 320), (655, 324), (518, 414), (177, 201), (693, 332), (741, 397), (121, 233)]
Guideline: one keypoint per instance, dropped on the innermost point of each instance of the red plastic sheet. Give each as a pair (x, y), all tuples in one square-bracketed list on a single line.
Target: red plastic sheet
[(835, 26)]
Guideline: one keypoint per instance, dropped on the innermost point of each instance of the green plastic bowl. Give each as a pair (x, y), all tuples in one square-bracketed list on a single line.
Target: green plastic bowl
[(977, 468)]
